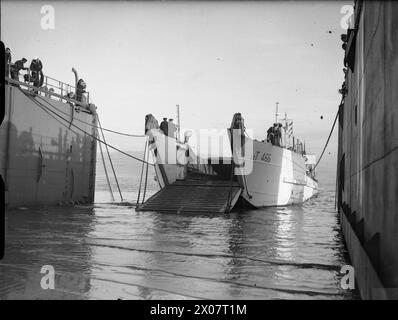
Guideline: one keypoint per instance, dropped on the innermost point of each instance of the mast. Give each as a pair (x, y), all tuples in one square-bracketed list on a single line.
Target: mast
[(178, 121), (285, 129), (276, 113)]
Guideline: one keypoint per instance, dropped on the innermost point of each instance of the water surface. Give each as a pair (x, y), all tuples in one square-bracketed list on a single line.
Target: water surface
[(109, 251)]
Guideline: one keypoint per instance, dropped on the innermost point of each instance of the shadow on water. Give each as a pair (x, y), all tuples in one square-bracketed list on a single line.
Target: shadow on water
[(39, 237)]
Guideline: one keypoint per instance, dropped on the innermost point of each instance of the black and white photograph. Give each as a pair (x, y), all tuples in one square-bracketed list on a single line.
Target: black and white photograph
[(199, 150)]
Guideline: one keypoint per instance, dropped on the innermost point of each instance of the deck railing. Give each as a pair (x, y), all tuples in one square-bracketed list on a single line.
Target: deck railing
[(51, 88)]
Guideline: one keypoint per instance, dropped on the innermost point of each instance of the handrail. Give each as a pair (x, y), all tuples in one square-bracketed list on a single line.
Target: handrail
[(46, 93), (51, 87)]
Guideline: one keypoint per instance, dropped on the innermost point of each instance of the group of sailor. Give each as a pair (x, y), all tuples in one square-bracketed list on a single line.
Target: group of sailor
[(36, 76), (274, 134), (168, 128)]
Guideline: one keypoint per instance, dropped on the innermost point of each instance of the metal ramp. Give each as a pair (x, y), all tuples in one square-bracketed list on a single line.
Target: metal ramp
[(194, 196)]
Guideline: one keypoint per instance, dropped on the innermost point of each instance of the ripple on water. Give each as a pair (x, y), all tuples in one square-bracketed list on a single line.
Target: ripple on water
[(110, 251)]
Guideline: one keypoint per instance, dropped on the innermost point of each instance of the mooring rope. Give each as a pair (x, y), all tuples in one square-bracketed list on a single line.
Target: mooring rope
[(327, 141), (48, 110), (106, 171), (110, 160), (92, 125)]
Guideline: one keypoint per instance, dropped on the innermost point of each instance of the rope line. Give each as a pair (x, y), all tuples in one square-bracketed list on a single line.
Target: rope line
[(92, 125), (106, 171), (110, 160), (48, 110), (327, 141)]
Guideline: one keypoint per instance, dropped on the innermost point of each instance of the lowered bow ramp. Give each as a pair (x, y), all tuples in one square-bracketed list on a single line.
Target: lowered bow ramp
[(194, 196)]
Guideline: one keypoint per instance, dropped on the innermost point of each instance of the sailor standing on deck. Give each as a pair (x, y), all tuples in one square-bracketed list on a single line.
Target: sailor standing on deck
[(271, 135), (16, 67), (80, 91), (278, 134), (164, 126), (171, 129), (37, 74)]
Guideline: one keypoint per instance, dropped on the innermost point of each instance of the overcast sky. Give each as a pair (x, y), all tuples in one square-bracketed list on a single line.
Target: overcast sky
[(214, 59)]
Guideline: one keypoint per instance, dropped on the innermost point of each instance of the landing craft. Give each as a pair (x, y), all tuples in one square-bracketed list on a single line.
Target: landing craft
[(279, 175), (259, 173)]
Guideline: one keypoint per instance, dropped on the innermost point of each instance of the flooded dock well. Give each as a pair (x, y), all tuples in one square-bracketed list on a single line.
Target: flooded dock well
[(168, 152)]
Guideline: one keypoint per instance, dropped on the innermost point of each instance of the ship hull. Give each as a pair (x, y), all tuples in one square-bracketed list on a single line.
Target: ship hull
[(275, 176), (44, 161), (367, 167)]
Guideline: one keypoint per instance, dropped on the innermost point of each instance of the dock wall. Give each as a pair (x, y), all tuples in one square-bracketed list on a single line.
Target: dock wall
[(368, 149)]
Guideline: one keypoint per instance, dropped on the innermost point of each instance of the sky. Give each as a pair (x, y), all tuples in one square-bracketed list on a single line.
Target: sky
[(211, 58)]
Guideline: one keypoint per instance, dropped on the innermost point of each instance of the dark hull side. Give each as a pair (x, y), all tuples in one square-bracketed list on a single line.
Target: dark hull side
[(368, 150), (42, 161)]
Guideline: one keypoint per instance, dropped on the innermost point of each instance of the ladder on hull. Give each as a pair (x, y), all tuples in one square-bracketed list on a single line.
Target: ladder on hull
[(194, 196)]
